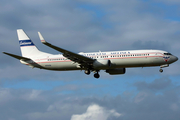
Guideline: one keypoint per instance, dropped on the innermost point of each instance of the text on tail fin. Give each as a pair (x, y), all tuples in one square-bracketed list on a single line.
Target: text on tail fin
[(24, 40)]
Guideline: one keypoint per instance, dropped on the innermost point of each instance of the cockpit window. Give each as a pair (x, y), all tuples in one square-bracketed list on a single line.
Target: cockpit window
[(167, 54)]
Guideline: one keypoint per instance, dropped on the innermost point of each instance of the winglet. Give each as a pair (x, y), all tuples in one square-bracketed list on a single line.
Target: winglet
[(41, 38)]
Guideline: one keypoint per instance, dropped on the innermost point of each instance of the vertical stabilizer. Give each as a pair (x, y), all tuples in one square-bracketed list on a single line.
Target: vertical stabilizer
[(28, 48)]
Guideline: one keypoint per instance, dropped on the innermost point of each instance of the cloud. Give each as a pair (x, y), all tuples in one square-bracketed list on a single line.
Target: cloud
[(138, 104), (5, 95), (75, 28), (158, 84), (90, 25), (96, 112), (140, 97)]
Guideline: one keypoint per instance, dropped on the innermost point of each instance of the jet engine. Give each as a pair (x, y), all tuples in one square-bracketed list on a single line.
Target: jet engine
[(102, 64), (116, 71)]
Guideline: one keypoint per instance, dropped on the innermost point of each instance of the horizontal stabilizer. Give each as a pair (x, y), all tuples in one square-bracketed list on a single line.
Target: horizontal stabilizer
[(16, 56)]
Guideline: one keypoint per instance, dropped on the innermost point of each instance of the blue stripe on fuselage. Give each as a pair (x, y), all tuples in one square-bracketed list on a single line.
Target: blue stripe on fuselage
[(26, 43)]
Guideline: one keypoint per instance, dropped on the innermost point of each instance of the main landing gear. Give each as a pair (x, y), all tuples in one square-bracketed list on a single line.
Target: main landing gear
[(161, 70), (96, 74), (87, 72)]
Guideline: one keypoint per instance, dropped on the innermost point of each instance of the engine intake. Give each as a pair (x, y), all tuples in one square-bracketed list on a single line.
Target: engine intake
[(116, 71), (102, 64)]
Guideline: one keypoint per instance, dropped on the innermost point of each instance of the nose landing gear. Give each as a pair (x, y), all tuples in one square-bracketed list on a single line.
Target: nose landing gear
[(162, 66)]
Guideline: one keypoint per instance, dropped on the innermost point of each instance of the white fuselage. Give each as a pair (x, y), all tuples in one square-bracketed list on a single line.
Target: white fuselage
[(119, 59), (113, 62)]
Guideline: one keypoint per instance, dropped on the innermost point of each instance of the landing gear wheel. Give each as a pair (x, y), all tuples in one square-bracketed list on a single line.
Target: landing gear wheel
[(161, 70), (96, 75), (87, 72)]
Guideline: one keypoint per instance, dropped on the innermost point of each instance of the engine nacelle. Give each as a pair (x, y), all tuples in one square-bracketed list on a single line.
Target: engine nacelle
[(116, 71), (102, 64)]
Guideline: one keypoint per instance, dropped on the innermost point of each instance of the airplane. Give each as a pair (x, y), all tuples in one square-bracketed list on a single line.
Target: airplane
[(113, 62)]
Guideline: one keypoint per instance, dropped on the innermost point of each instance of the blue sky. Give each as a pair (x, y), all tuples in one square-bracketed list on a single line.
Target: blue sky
[(89, 26)]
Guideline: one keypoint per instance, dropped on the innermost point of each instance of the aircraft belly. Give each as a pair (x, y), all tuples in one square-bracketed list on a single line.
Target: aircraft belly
[(136, 62), (60, 66)]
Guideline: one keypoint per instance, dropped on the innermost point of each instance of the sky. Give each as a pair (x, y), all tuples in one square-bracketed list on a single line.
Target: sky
[(90, 26)]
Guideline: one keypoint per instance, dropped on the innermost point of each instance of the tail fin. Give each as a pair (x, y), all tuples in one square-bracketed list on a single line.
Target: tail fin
[(27, 46)]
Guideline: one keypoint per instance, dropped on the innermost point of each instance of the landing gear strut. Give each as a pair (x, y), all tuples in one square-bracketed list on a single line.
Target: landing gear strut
[(162, 66)]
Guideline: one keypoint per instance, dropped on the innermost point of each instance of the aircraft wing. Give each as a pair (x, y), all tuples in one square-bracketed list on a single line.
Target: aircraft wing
[(83, 60), (16, 56)]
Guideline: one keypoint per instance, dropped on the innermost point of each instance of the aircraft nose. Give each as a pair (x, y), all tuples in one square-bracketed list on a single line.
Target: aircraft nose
[(175, 58)]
